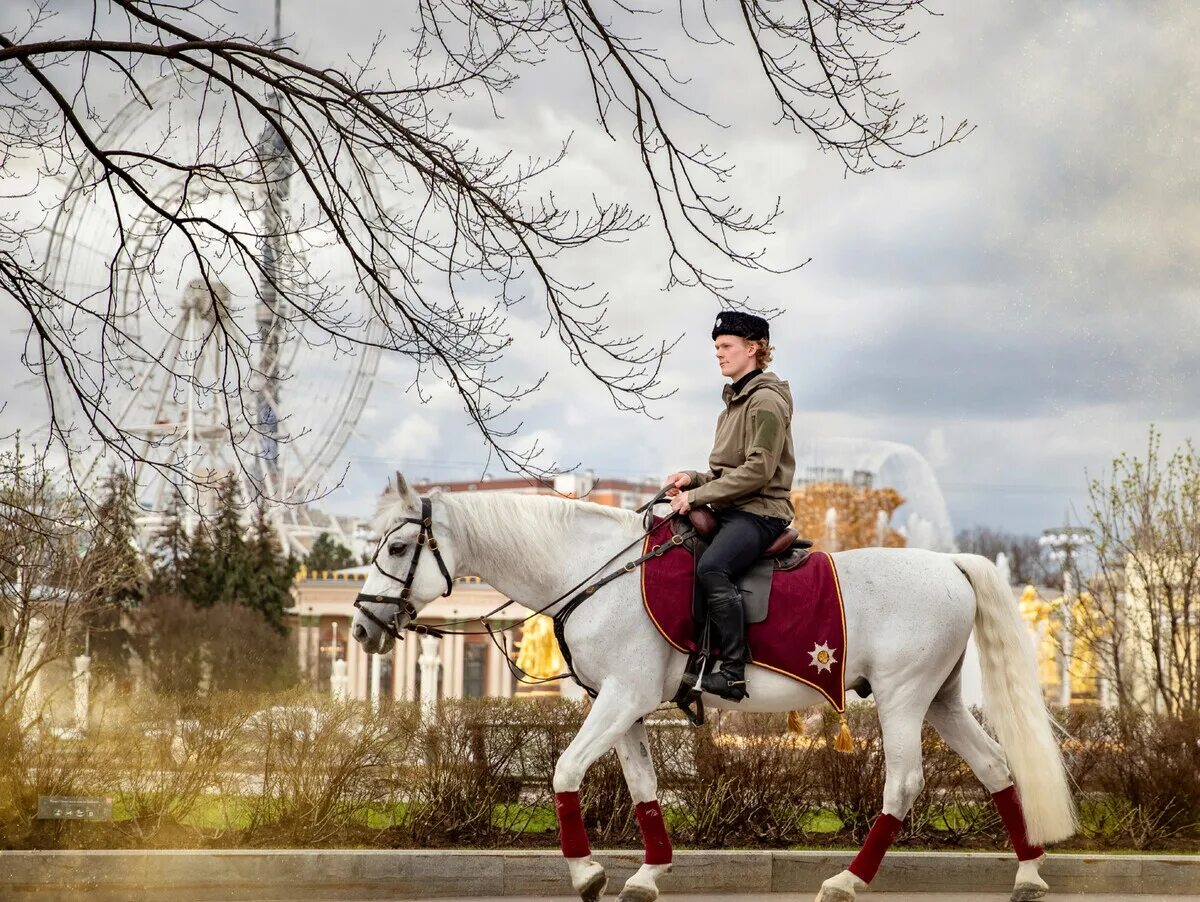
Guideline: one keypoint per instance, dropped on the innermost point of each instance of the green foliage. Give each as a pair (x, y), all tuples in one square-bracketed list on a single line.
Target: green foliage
[(329, 554), (169, 551), (114, 552), (269, 573), (222, 647), (114, 543), (225, 565)]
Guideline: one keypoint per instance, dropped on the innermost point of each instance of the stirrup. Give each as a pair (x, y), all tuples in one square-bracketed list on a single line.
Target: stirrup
[(688, 698), (731, 690)]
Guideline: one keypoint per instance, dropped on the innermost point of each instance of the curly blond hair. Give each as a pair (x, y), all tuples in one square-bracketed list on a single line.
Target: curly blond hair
[(763, 354)]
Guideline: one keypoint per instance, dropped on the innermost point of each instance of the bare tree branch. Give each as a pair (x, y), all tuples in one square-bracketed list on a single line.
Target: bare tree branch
[(345, 208)]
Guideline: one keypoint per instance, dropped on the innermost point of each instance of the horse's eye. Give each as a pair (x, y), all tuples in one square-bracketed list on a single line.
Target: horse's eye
[(396, 549)]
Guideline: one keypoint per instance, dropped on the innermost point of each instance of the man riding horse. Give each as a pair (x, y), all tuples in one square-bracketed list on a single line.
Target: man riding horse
[(748, 485)]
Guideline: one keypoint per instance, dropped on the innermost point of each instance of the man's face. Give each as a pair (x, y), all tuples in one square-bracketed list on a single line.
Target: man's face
[(735, 355)]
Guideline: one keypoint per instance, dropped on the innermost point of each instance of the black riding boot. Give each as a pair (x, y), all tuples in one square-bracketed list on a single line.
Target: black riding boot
[(728, 619)]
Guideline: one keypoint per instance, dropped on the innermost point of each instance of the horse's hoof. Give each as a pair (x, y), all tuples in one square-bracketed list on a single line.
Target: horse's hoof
[(1027, 892), (638, 894), (593, 890), (833, 894)]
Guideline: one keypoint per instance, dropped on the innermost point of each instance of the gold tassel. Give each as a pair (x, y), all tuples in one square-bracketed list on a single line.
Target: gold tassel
[(844, 742), (795, 722)]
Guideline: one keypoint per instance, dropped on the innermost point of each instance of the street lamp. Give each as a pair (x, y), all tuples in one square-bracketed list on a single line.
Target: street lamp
[(1063, 542)]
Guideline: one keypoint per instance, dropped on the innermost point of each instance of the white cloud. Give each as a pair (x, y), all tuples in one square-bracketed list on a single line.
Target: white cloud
[(417, 435)]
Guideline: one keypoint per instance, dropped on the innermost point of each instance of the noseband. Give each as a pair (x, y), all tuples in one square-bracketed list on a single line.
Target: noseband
[(403, 603)]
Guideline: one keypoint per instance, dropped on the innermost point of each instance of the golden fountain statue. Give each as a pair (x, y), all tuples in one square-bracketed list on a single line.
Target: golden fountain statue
[(539, 655)]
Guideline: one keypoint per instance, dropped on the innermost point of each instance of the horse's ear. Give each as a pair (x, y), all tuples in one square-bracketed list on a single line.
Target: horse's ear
[(405, 493)]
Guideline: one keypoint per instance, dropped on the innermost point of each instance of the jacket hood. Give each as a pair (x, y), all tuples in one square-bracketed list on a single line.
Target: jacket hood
[(767, 381)]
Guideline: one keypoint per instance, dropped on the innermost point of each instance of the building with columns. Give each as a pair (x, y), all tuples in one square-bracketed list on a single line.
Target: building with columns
[(471, 666)]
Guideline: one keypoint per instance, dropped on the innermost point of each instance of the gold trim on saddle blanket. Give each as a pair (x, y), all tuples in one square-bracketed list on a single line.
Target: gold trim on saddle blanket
[(839, 704)]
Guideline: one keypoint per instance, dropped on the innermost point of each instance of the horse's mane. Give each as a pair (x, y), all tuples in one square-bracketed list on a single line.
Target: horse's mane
[(539, 519)]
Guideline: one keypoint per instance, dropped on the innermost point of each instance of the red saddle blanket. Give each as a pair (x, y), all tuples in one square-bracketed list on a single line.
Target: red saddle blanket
[(803, 637)]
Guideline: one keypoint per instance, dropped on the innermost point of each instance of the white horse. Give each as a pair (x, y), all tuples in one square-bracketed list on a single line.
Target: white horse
[(909, 613)]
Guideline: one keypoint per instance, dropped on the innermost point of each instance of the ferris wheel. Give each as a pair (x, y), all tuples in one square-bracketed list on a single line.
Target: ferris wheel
[(303, 392)]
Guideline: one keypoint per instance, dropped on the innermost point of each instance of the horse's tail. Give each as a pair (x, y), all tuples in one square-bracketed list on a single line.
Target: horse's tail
[(1013, 703)]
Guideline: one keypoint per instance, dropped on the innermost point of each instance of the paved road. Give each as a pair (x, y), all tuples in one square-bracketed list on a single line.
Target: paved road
[(865, 897)]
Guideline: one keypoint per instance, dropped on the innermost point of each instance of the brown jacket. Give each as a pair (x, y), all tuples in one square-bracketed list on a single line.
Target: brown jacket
[(752, 462)]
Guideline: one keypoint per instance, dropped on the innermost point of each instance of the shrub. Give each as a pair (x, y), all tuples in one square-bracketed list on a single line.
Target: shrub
[(294, 770)]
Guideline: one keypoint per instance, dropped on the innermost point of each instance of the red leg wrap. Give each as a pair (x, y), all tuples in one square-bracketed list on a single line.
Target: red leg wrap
[(654, 833), (1008, 803), (570, 825), (883, 832)]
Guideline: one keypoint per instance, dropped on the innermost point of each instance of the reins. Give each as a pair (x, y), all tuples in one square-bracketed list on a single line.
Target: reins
[(573, 596)]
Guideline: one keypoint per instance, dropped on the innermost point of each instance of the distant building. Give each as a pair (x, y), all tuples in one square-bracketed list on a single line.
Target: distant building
[(471, 665), (610, 492)]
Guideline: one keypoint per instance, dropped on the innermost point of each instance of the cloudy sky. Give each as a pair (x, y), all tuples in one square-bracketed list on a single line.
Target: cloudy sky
[(1019, 307)]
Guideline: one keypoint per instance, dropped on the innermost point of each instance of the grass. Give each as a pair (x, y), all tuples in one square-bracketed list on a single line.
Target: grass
[(222, 812)]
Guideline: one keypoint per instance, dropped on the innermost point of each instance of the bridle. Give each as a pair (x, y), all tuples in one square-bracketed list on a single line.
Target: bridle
[(404, 604)]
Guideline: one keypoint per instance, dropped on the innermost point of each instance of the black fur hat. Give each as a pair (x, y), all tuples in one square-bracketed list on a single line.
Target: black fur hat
[(745, 325)]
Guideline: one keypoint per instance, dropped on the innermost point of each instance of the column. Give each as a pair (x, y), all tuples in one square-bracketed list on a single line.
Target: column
[(361, 689), (429, 676), (1067, 637), (302, 643), (314, 652), (447, 649), (351, 668), (412, 652), (399, 670), (494, 664), (460, 644), (376, 680)]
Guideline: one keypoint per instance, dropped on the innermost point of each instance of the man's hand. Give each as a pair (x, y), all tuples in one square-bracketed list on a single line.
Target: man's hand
[(680, 503), (677, 481)]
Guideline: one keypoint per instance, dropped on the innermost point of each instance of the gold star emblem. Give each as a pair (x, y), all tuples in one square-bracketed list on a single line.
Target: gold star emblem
[(822, 657)]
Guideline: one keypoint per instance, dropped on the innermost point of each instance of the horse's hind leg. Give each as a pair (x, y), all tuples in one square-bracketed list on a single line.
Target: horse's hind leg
[(954, 723), (614, 711), (901, 720), (633, 749)]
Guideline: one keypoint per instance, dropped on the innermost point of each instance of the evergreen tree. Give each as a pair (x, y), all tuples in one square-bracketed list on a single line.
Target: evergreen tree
[(268, 576), (114, 547), (216, 568), (225, 565), (121, 576), (328, 554), (169, 552)]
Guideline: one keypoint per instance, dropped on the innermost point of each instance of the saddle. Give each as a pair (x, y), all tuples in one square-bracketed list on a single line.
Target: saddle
[(704, 521), (786, 553)]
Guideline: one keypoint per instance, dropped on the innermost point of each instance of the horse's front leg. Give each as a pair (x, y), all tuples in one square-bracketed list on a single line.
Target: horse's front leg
[(633, 750), (614, 711)]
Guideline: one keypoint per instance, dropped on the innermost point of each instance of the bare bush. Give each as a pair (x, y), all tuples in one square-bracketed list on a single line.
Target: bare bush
[(1145, 623), (294, 770), (322, 767), (181, 757)]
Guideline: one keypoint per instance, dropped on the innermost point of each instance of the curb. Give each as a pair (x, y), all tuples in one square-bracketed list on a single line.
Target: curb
[(300, 874)]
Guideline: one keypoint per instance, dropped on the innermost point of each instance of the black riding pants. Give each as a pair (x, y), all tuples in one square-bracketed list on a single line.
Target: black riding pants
[(740, 540)]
